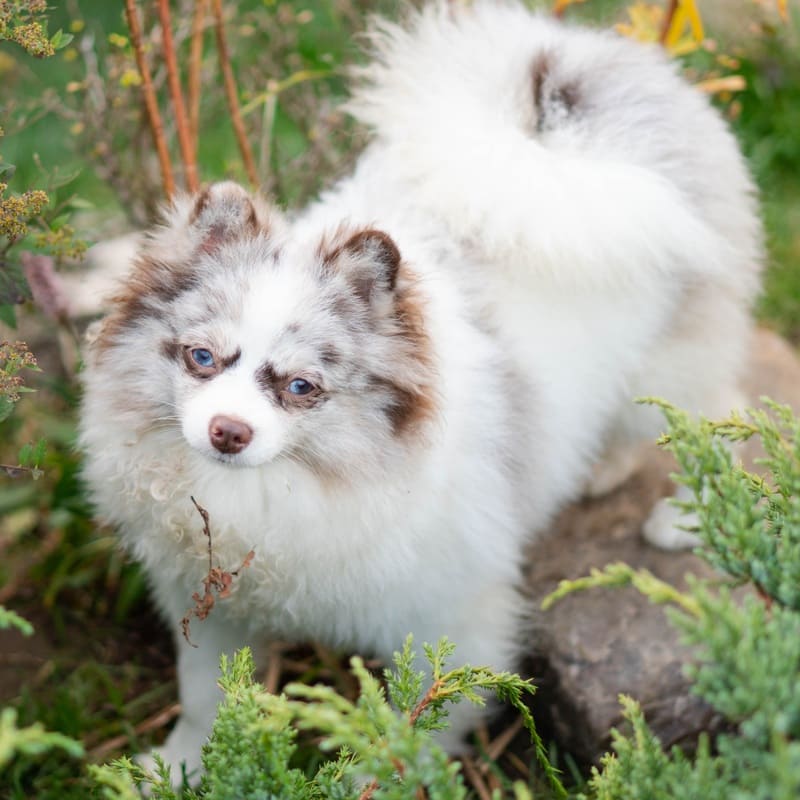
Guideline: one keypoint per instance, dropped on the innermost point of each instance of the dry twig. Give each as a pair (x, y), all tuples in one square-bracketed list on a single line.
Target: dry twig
[(232, 95), (474, 776), (500, 743), (217, 580), (150, 100), (195, 67), (153, 723), (174, 81)]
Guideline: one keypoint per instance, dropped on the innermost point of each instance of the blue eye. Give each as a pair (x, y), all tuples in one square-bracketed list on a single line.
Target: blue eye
[(300, 386), (202, 357)]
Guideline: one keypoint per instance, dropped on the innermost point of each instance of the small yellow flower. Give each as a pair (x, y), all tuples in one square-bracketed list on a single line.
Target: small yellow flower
[(130, 77), (118, 40)]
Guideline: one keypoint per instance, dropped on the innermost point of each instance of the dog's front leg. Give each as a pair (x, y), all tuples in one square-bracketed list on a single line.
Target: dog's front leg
[(199, 694)]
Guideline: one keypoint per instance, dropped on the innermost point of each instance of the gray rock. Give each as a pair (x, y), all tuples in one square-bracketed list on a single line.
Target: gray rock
[(592, 646)]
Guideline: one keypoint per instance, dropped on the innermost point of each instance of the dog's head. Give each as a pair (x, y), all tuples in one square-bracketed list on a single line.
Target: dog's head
[(259, 347)]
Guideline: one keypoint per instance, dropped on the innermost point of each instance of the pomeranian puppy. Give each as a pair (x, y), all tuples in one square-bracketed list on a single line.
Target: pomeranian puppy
[(387, 395)]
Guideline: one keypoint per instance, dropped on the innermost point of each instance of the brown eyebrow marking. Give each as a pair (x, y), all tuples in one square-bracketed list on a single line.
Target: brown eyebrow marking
[(269, 380), (230, 360), (170, 349)]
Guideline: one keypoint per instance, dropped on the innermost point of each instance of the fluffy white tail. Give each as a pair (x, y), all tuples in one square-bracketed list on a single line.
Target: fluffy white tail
[(570, 152)]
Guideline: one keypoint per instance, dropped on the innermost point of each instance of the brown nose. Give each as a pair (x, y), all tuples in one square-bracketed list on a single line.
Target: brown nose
[(229, 435)]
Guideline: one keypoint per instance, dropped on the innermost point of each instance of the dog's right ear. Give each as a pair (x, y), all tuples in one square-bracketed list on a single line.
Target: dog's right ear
[(223, 212)]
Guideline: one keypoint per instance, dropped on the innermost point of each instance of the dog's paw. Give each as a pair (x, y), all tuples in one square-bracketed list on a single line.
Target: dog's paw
[(613, 470), (181, 752), (665, 527)]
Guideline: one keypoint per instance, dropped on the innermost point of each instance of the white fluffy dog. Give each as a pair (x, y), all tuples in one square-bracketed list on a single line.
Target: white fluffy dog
[(387, 395)]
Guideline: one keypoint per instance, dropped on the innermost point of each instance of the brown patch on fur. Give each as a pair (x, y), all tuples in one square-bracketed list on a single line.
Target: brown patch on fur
[(229, 361), (403, 410), (330, 246), (269, 380), (343, 306), (540, 69), (171, 350), (412, 405), (150, 286), (375, 248), (200, 204), (233, 217), (246, 221), (413, 401), (545, 97), (222, 214)]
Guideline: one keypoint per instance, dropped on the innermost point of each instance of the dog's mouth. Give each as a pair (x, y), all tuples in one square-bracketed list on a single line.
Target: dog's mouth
[(229, 459)]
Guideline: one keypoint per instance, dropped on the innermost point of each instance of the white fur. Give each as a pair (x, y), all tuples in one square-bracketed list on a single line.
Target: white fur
[(566, 262)]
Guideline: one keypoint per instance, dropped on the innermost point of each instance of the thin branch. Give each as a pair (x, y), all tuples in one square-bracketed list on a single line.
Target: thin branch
[(150, 101), (195, 66), (158, 720), (174, 81), (275, 665), (231, 93), (217, 580), (369, 790), (429, 697), (476, 779), (204, 515), (499, 745)]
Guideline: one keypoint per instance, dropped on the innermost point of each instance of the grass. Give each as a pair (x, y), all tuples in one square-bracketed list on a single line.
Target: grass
[(100, 665)]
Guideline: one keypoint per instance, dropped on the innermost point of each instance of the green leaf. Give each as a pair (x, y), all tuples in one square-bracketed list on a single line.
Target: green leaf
[(81, 204), (60, 39), (31, 741), (10, 619), (8, 315), (6, 407), (25, 455)]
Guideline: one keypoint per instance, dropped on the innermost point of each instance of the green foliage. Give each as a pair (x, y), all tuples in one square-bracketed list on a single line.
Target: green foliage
[(750, 523), (31, 741), (641, 770), (747, 647), (80, 111), (23, 22), (10, 619), (14, 358), (379, 750)]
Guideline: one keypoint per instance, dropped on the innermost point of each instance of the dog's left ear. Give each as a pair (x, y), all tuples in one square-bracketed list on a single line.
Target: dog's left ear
[(221, 213), (369, 260)]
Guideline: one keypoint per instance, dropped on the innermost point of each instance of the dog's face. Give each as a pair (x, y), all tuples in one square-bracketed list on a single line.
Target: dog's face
[(257, 347)]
